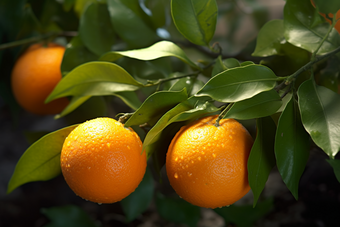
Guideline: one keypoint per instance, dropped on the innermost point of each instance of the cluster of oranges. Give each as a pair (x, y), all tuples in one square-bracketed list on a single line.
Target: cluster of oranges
[(103, 161)]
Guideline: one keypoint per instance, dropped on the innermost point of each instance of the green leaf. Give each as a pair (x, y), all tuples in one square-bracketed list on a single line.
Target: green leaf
[(157, 50), (95, 106), (177, 210), (261, 105), (291, 147), (305, 29), (41, 161), (195, 19), (68, 216), (95, 78), (130, 98), (231, 63), (246, 215), (155, 106), (75, 102), (218, 66), (188, 110), (320, 110), (130, 26), (76, 54), (239, 83), (261, 159), (192, 84), (139, 200), (332, 6), (95, 29), (158, 9), (269, 39), (335, 163)]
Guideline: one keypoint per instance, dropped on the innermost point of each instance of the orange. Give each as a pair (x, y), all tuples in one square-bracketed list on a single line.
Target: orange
[(102, 161), (207, 165), (34, 76), (337, 25)]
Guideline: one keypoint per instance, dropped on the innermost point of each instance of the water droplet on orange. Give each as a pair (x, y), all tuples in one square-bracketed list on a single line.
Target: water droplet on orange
[(176, 175)]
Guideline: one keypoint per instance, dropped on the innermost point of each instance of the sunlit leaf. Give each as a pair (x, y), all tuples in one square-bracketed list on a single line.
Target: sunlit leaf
[(239, 83), (192, 84), (261, 105), (261, 159), (195, 19), (155, 106), (157, 50), (291, 147), (320, 108), (139, 200), (188, 110), (95, 78), (41, 161), (269, 39), (305, 29)]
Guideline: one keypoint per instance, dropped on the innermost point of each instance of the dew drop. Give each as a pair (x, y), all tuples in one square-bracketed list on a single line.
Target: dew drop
[(176, 175), (203, 152), (204, 148), (189, 174), (182, 157), (209, 144), (214, 155), (187, 166), (230, 136), (222, 144), (199, 158), (108, 145), (68, 143), (176, 159), (128, 147), (183, 167), (192, 161), (215, 138)]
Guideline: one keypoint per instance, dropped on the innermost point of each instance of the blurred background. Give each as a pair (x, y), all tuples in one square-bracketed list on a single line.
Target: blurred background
[(31, 204)]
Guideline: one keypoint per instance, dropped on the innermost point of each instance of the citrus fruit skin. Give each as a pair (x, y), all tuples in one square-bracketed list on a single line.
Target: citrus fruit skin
[(34, 76), (102, 161), (207, 165)]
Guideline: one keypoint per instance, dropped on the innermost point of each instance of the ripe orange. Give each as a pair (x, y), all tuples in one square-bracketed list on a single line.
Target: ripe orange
[(34, 76), (337, 25), (207, 165), (102, 161)]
